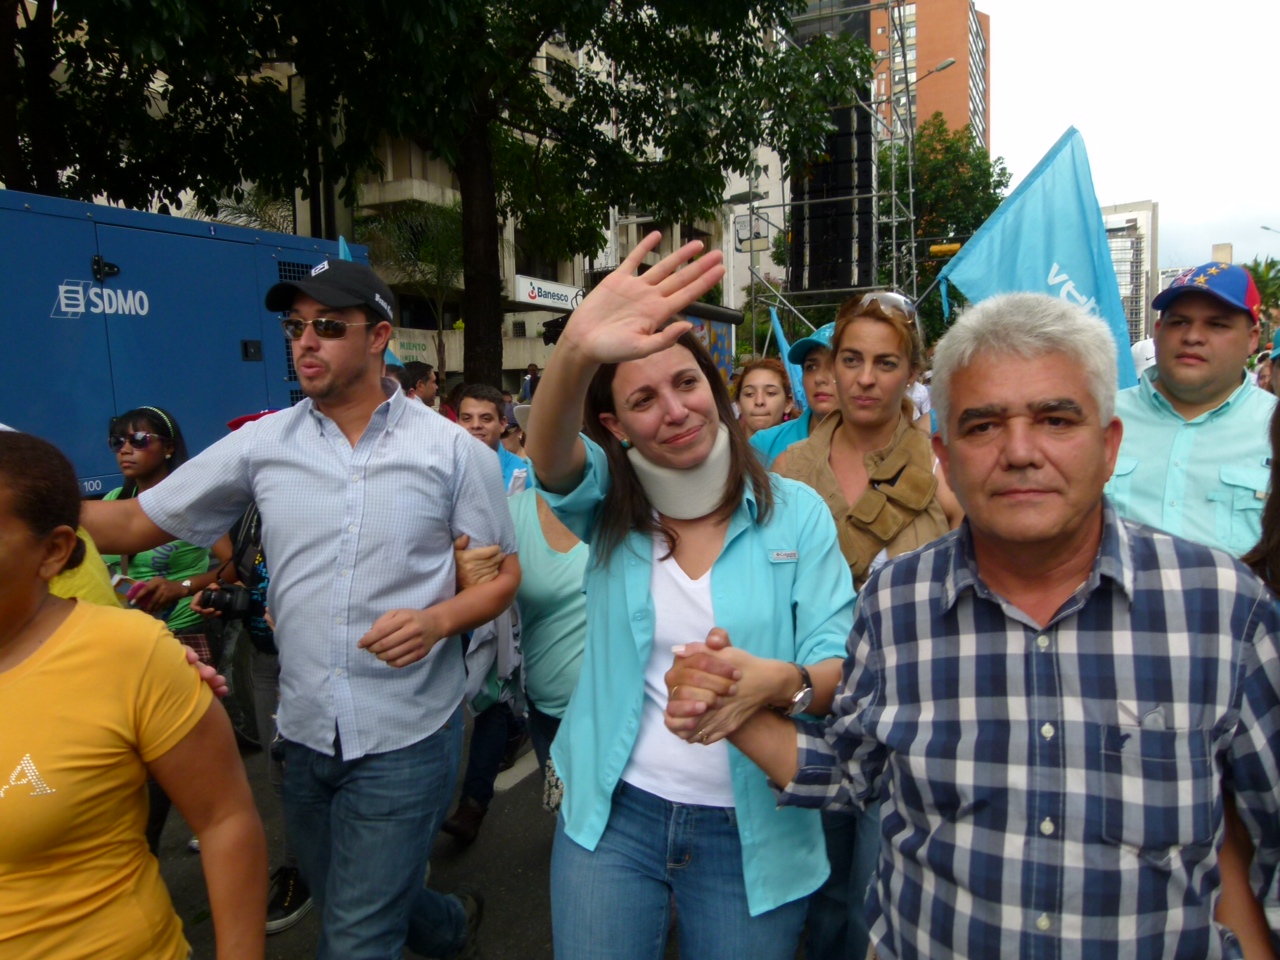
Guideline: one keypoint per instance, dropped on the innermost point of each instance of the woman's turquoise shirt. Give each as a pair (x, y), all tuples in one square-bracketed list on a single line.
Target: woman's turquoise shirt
[(781, 590)]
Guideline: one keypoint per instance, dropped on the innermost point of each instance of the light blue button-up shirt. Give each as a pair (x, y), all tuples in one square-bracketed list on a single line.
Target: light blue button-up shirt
[(1203, 479), (781, 590), (349, 533)]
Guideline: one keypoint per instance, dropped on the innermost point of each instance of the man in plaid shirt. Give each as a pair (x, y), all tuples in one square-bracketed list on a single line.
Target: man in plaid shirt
[(1051, 699)]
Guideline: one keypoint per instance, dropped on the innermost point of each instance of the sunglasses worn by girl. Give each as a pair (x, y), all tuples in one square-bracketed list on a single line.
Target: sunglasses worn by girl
[(327, 328), (138, 440)]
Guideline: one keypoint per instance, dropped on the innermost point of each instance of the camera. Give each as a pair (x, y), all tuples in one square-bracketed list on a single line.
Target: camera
[(234, 602)]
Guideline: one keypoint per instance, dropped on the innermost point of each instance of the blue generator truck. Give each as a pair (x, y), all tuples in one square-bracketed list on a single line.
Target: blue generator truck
[(107, 309)]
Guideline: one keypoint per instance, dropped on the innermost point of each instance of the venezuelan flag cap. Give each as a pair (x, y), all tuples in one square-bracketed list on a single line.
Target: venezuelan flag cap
[(1232, 285)]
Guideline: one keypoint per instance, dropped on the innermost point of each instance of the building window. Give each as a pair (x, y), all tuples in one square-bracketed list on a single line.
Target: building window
[(530, 261)]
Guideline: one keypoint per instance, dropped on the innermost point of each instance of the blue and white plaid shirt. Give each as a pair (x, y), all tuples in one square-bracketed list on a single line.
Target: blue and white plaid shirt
[(1057, 792)]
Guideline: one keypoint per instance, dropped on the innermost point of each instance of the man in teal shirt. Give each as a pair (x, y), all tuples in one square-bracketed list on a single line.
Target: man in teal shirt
[(1195, 457)]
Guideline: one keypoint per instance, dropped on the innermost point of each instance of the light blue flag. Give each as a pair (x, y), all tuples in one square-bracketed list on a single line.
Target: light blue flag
[(1048, 237), (344, 252), (795, 374)]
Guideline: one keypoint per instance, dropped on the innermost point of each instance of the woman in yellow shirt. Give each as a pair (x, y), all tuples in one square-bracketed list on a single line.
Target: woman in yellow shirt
[(91, 700)]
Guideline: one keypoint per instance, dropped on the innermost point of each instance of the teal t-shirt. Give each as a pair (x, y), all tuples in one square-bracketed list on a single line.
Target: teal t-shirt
[(176, 560), (553, 610), (770, 443)]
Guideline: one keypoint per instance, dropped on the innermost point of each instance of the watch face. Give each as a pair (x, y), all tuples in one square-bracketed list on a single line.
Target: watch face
[(800, 702)]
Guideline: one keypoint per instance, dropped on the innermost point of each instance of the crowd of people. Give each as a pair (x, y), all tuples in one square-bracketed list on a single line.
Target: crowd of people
[(986, 668)]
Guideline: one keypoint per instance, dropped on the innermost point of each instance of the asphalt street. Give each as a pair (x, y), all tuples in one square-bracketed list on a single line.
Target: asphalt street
[(509, 863)]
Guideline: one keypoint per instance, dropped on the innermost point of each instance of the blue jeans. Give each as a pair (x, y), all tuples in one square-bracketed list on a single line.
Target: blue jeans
[(614, 902), (362, 831), (837, 927), (493, 727)]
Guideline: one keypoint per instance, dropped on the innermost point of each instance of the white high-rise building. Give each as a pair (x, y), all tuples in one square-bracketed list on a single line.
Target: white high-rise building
[(1132, 234)]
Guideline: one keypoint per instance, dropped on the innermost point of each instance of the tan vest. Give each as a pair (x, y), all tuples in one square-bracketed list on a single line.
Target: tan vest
[(898, 512)]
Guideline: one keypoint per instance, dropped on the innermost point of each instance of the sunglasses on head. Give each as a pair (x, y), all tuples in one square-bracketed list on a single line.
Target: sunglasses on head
[(895, 302), (327, 328), (138, 440)]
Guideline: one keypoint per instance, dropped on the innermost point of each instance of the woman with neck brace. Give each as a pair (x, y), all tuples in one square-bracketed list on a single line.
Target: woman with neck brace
[(689, 537)]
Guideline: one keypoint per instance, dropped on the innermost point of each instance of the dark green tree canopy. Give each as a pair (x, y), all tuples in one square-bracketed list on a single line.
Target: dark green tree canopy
[(645, 106), (957, 186)]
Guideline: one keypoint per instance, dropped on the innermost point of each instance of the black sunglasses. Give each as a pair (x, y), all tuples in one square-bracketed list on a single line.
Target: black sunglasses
[(139, 440), (327, 328)]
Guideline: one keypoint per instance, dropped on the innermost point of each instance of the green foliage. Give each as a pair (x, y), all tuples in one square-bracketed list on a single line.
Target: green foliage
[(256, 209), (549, 112), (1266, 274), (419, 244), (957, 186), (138, 102)]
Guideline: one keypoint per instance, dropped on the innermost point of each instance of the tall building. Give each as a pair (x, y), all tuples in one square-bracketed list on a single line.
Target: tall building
[(912, 40), (1132, 235)]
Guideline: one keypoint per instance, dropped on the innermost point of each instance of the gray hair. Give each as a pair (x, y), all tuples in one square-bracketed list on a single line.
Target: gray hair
[(1027, 326)]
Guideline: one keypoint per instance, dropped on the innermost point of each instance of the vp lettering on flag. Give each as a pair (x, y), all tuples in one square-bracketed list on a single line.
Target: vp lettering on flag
[(1048, 237)]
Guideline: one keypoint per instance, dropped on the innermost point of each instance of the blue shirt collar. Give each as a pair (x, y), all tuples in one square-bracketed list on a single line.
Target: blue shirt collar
[(1147, 384), (1113, 561), (385, 416)]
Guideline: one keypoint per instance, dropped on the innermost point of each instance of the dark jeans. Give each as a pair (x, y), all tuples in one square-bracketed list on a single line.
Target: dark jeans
[(493, 727), (542, 730), (837, 924), (362, 831)]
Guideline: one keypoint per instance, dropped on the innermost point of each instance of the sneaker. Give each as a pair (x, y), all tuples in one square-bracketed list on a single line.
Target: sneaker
[(289, 899), (193, 845), (464, 823), (473, 906)]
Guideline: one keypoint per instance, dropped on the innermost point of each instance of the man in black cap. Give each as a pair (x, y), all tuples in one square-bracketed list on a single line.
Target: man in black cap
[(362, 492)]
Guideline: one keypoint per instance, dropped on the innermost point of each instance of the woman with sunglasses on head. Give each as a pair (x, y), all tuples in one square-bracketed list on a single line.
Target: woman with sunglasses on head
[(880, 479), (689, 537), (93, 699), (148, 445)]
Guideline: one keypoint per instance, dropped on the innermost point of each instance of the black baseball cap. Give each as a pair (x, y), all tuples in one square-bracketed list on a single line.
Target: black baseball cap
[(338, 284)]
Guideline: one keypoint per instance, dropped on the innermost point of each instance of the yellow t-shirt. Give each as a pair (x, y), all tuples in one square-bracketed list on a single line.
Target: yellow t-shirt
[(90, 581), (80, 718)]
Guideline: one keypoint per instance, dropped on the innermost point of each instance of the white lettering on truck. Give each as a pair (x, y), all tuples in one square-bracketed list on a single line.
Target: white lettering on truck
[(78, 297)]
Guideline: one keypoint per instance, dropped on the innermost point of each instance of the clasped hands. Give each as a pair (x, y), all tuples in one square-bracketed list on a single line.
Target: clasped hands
[(713, 687), (402, 637)]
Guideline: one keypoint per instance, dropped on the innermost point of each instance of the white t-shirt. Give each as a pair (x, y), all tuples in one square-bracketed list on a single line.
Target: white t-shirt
[(920, 398), (661, 763)]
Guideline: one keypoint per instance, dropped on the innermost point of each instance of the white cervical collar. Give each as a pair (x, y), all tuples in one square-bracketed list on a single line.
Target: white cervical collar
[(686, 494)]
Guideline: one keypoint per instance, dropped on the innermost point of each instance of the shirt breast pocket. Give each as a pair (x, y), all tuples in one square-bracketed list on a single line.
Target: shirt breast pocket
[(1239, 502), (1157, 790), (1121, 482)]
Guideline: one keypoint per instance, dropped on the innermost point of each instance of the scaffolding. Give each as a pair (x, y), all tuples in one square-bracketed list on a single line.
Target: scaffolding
[(879, 206)]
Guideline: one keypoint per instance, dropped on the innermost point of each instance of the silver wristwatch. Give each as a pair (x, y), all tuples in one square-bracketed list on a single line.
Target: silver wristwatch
[(801, 699)]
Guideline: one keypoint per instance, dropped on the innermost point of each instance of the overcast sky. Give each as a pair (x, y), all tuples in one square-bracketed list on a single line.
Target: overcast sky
[(1176, 102)]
